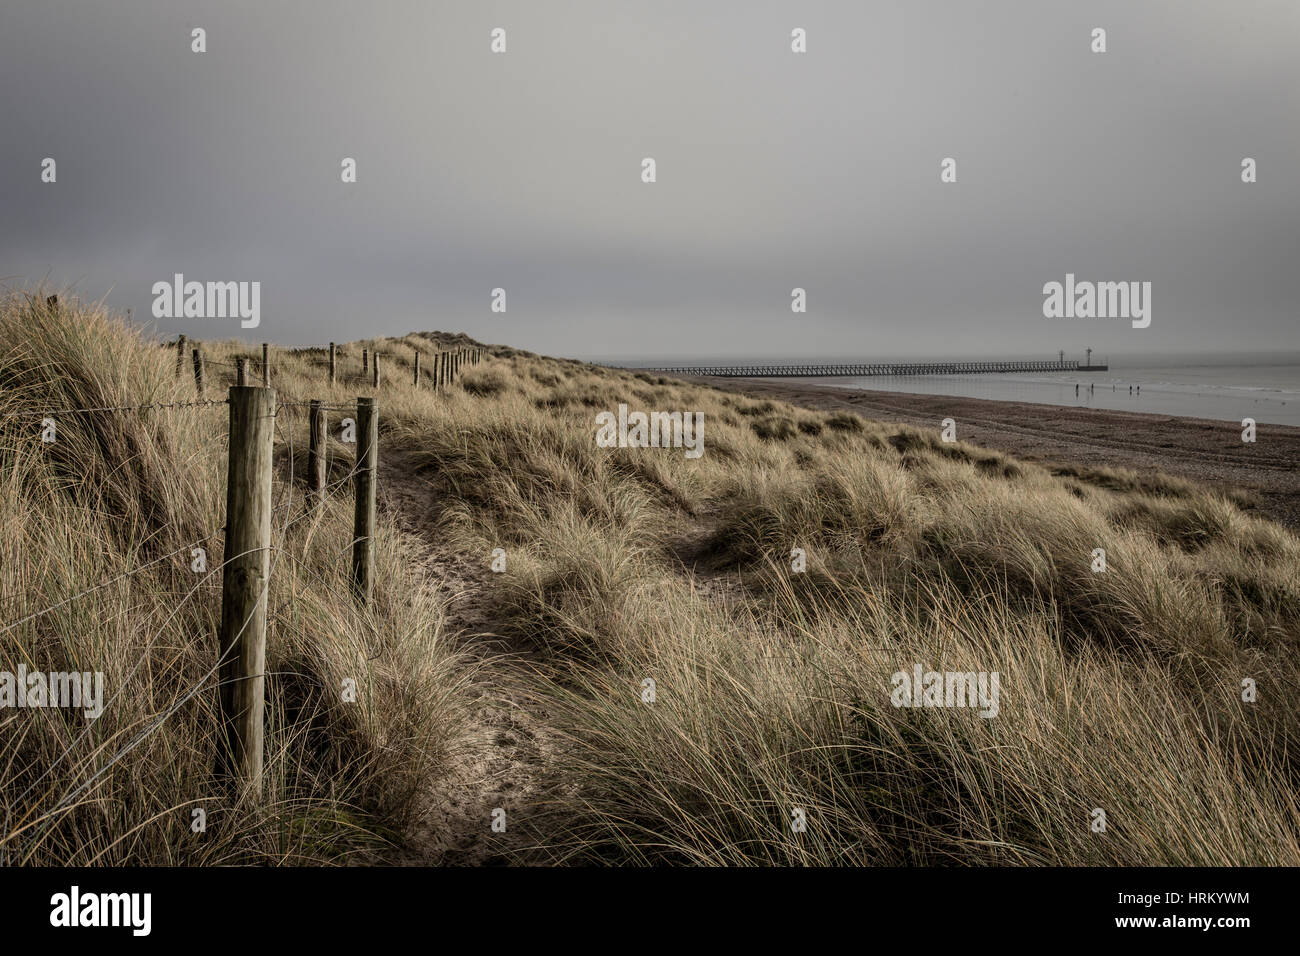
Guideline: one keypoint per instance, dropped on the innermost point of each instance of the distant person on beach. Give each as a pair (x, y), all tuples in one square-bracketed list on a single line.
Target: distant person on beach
[(1076, 389)]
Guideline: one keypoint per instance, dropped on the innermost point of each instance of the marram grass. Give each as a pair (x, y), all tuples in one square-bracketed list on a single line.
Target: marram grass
[(628, 569)]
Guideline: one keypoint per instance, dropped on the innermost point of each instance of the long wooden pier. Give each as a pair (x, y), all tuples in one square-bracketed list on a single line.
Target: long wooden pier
[(873, 368)]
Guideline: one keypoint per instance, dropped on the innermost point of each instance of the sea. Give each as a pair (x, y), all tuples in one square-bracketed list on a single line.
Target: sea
[(1264, 388)]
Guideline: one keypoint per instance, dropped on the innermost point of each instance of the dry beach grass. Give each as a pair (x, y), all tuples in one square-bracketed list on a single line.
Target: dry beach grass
[(523, 689)]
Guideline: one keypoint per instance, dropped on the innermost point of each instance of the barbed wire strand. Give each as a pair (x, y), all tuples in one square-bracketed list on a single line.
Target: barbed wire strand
[(203, 403)]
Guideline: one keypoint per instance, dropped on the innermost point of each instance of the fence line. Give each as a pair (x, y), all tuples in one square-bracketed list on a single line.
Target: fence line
[(232, 640), (363, 474)]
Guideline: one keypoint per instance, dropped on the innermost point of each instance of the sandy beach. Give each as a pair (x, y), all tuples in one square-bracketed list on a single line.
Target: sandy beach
[(1206, 451)]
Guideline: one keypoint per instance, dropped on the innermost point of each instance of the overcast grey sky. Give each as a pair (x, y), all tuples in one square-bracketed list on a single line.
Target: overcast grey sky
[(775, 169)]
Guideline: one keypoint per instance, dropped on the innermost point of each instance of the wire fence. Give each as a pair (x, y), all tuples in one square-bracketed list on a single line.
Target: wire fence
[(293, 506)]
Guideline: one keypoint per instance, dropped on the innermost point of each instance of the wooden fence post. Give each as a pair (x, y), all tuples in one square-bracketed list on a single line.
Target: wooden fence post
[(241, 377), (246, 579), (374, 364), (417, 369), (363, 524), (198, 372), (266, 365), (365, 362), (331, 363), (180, 354), (317, 451)]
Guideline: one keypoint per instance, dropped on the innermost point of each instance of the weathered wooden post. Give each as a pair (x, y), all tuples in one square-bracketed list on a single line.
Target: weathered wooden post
[(417, 369), (363, 524), (198, 372), (365, 362), (241, 377), (374, 362), (245, 579), (266, 365), (441, 365), (317, 451), (331, 363), (180, 354)]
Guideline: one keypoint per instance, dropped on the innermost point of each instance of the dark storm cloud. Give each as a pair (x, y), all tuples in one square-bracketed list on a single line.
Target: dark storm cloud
[(775, 170)]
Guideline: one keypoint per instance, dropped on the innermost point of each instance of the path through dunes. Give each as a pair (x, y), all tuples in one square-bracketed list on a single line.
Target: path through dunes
[(497, 762), (503, 758)]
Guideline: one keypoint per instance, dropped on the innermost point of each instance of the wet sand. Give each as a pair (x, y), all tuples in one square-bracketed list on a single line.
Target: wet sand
[(1206, 451)]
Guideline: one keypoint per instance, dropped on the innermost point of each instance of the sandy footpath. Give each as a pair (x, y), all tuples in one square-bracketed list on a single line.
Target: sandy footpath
[(1206, 451)]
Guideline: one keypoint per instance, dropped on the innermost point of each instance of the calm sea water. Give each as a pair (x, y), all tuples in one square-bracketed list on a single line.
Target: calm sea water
[(1267, 393)]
